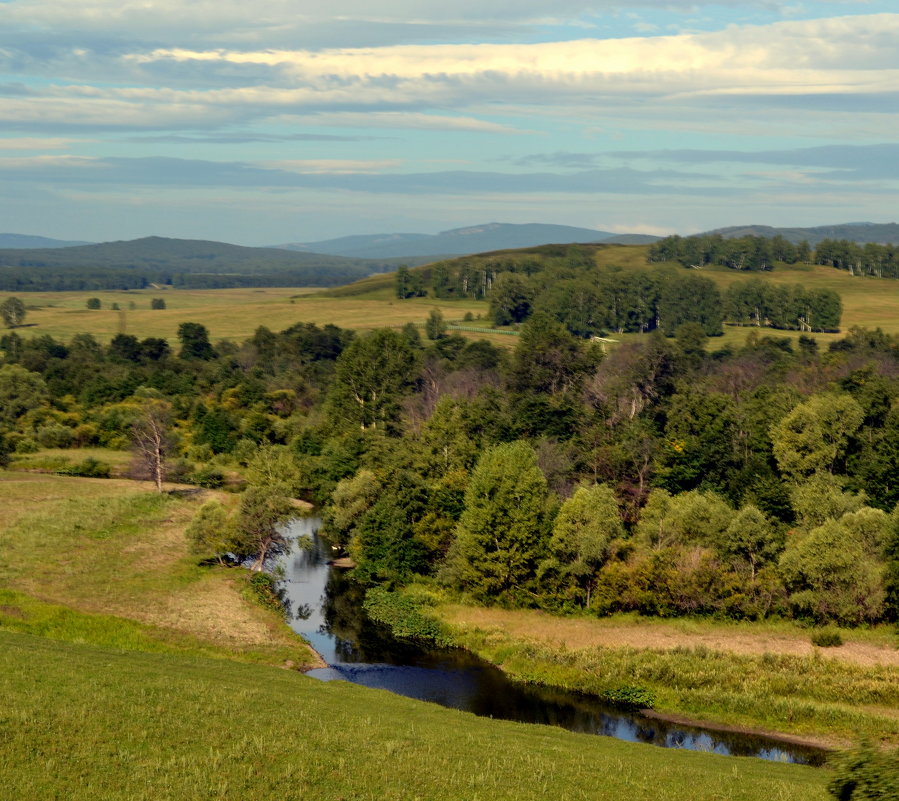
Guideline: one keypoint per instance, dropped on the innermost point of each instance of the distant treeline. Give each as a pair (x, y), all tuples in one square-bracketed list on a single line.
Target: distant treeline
[(759, 253), (74, 279), (741, 253)]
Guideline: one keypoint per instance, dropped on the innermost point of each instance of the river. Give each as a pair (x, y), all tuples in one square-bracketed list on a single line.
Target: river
[(325, 607)]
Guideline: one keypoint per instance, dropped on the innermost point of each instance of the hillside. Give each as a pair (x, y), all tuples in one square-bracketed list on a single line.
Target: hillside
[(137, 263), (85, 723), (22, 241), (455, 242), (862, 233)]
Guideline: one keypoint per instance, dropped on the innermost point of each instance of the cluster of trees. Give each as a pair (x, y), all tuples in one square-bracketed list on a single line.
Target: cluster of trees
[(868, 259), (738, 253), (565, 282), (659, 477), (791, 307)]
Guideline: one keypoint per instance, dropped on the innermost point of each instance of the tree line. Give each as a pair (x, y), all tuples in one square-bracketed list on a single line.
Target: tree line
[(662, 477)]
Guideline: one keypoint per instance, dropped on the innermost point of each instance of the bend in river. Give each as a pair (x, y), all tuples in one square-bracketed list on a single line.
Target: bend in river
[(326, 608)]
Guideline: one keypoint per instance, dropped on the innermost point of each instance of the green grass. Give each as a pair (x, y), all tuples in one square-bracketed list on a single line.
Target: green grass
[(829, 700), (90, 724), (106, 561)]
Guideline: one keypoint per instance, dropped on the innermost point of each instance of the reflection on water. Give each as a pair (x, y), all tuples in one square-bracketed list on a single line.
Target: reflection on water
[(326, 608)]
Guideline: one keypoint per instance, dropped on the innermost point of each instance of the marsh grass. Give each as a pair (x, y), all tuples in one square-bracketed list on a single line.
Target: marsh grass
[(90, 724)]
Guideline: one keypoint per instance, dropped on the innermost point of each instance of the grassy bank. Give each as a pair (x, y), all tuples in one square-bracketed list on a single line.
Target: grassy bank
[(106, 561), (761, 676), (89, 724)]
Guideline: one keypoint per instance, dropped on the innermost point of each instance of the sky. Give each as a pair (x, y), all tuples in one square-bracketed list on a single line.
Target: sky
[(296, 121)]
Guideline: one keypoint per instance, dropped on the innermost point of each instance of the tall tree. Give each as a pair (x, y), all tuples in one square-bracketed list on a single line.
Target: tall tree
[(195, 343), (503, 531), (12, 310), (151, 438)]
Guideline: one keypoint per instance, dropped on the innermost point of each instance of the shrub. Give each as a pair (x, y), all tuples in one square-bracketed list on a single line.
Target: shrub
[(629, 697), (89, 468), (27, 445), (403, 615), (866, 774), (157, 303), (56, 436), (827, 638), (208, 477)]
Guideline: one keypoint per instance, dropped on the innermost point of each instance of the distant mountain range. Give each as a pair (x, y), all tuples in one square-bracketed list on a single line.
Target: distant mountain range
[(26, 241), (861, 232), (462, 241)]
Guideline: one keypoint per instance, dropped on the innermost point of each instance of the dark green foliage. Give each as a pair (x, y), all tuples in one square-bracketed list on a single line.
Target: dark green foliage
[(264, 587), (865, 774), (89, 468), (403, 615), (12, 310), (629, 697), (194, 339), (157, 303), (93, 303), (208, 477), (791, 307), (827, 638)]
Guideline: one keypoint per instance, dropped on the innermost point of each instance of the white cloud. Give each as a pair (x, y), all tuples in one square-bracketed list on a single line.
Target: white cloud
[(34, 143)]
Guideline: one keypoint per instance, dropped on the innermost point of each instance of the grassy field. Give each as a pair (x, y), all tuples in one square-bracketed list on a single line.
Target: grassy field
[(91, 724), (227, 313), (107, 561), (764, 676), (370, 303)]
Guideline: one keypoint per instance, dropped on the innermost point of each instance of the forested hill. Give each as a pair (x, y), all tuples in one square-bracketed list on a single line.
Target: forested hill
[(861, 233), (180, 262)]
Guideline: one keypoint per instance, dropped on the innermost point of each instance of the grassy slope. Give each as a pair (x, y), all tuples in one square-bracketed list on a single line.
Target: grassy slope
[(758, 675), (89, 724), (106, 561)]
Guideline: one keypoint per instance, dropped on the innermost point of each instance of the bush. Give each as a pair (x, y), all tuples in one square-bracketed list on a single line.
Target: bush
[(208, 477), (27, 445), (866, 774), (629, 697), (56, 436), (827, 638), (89, 468), (157, 303), (403, 615), (265, 590)]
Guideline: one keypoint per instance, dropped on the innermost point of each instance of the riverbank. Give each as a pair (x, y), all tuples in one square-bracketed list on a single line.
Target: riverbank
[(105, 561), (764, 678)]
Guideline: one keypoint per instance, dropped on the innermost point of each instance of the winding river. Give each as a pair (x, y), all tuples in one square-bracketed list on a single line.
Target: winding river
[(326, 608)]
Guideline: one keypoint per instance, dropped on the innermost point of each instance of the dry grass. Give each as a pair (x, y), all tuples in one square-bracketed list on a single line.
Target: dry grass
[(755, 639)]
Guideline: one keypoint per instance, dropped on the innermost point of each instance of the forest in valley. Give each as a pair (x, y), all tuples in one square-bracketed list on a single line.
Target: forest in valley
[(665, 476)]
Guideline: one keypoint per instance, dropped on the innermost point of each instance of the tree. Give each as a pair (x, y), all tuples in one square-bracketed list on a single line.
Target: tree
[(93, 303), (274, 466), (157, 303), (751, 536), (370, 378), (195, 344), (435, 326), (13, 312), (151, 438), (20, 390), (511, 298), (813, 437), (585, 526), (259, 527), (211, 532), (503, 531)]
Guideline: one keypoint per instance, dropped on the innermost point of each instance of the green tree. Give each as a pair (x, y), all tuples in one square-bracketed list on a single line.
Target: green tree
[(370, 378), (157, 303), (751, 537), (547, 358), (585, 526), (12, 310), (511, 298), (211, 531), (260, 524), (830, 577), (813, 437), (93, 303), (435, 325), (20, 390), (821, 498), (274, 466), (690, 518), (194, 338), (504, 528)]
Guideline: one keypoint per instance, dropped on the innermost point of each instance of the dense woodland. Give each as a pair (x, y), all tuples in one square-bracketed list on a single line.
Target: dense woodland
[(665, 476), (565, 283)]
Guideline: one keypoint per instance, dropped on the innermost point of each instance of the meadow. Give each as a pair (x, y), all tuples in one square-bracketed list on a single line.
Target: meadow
[(370, 303), (130, 671)]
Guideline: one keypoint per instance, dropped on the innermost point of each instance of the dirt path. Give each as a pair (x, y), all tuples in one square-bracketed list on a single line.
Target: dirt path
[(578, 634)]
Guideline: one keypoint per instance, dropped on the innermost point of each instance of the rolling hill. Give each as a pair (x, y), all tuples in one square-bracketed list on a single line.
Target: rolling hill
[(862, 232)]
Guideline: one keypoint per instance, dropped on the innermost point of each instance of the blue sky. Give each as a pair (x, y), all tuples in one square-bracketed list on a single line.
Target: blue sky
[(293, 120)]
